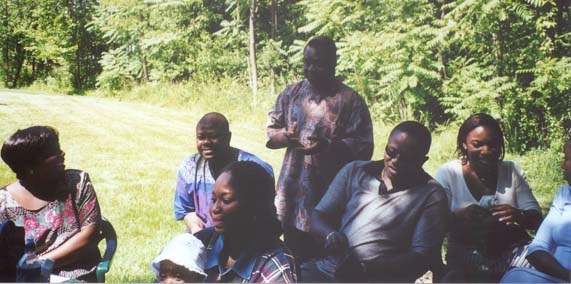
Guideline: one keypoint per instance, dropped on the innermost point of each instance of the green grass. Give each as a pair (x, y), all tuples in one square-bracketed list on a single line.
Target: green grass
[(132, 144)]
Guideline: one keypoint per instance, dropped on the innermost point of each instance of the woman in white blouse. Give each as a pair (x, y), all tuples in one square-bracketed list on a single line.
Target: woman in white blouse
[(491, 203)]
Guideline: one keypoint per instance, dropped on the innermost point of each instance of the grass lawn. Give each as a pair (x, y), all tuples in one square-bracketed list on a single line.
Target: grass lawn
[(132, 151)]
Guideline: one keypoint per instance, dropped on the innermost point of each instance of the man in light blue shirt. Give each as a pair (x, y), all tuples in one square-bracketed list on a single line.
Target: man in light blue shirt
[(197, 174)]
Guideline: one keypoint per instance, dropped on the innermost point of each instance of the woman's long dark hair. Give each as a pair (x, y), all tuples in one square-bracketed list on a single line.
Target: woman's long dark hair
[(255, 188), (476, 120)]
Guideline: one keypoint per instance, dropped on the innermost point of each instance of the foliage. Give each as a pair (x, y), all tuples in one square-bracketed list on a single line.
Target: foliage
[(436, 60), (38, 37)]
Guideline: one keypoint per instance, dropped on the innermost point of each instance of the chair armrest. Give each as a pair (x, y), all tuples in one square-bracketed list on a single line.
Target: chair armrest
[(108, 233), (102, 269)]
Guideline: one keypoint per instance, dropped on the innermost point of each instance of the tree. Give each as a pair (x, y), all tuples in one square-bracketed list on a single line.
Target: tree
[(252, 50)]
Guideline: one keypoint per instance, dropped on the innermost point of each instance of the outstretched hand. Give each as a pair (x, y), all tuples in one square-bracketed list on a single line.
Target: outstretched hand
[(194, 222), (292, 138), (472, 213), (316, 145), (471, 222), (506, 213)]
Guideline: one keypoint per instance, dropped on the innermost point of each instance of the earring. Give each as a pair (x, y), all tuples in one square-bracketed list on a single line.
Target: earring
[(31, 172)]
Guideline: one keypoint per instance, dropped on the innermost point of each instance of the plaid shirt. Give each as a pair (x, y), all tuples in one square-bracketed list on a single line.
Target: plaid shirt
[(273, 265)]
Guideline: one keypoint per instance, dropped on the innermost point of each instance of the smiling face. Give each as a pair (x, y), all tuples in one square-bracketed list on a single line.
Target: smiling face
[(402, 158), (483, 149), (318, 67), (212, 140), (226, 210), (566, 166)]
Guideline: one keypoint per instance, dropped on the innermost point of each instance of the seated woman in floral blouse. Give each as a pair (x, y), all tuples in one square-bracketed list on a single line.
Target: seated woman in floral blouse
[(244, 245), (56, 207)]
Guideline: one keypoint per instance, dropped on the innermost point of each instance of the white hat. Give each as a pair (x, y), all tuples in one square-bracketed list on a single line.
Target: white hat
[(184, 250)]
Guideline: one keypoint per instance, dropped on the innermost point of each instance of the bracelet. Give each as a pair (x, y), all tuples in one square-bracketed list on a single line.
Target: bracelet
[(329, 235)]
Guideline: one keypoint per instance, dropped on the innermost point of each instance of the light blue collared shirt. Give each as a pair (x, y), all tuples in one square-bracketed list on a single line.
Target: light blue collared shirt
[(243, 266), (554, 234)]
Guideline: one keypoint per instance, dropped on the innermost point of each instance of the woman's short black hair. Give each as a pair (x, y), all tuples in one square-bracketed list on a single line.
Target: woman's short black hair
[(27, 147), (476, 120), (255, 187)]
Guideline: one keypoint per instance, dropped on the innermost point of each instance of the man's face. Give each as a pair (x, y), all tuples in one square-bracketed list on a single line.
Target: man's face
[(211, 140), (318, 68), (402, 157)]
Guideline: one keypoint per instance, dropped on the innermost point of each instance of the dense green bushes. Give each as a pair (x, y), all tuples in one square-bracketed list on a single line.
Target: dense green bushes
[(436, 61)]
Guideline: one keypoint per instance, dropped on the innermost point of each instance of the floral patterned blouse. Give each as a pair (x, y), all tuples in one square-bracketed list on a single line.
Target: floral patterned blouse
[(59, 220)]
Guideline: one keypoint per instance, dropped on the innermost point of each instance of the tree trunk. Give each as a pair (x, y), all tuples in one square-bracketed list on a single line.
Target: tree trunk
[(238, 11), (145, 73), (442, 59), (561, 6), (5, 69), (253, 70), (33, 69), (19, 61), (274, 15), (274, 12), (143, 57)]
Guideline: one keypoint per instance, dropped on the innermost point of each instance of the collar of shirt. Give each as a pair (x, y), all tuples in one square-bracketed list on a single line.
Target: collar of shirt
[(375, 168), (317, 96), (562, 198), (243, 266)]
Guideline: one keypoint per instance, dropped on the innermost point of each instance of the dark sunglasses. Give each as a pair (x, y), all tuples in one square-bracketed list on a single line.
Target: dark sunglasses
[(404, 156)]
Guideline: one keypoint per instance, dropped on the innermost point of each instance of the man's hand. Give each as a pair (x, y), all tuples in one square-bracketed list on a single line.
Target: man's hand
[(280, 139), (472, 213), (506, 213), (317, 144), (193, 222), (471, 223), (336, 242), (291, 136)]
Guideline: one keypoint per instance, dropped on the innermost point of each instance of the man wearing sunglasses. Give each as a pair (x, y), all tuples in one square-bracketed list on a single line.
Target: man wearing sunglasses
[(381, 221)]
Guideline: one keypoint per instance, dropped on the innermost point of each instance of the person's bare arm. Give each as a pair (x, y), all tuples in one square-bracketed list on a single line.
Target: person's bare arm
[(193, 222), (529, 219), (284, 138), (322, 228), (546, 263), (73, 249)]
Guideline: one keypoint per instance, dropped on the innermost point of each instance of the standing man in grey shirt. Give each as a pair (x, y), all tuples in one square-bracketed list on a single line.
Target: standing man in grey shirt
[(381, 221)]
